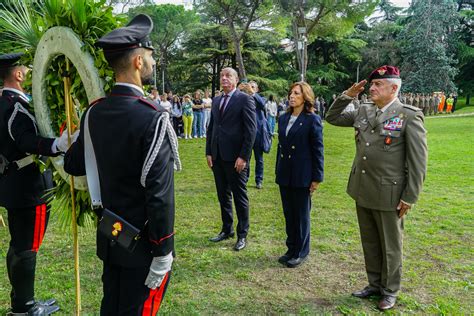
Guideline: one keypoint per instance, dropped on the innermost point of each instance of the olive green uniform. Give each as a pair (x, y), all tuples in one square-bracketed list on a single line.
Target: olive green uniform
[(389, 166)]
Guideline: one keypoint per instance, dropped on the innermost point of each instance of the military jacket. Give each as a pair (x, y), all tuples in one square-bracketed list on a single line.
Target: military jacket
[(122, 128), (391, 153), (19, 137)]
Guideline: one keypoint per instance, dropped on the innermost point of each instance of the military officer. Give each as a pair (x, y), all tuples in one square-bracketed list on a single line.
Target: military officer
[(22, 186), (386, 176), (136, 150)]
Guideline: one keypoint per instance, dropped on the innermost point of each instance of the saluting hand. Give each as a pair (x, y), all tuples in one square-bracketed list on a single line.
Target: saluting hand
[(402, 209), (355, 89), (240, 165), (313, 187)]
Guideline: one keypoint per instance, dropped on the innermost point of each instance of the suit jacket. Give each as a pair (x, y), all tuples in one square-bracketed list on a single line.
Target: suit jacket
[(300, 154), (122, 128), (19, 137), (260, 117), (232, 135), (391, 153)]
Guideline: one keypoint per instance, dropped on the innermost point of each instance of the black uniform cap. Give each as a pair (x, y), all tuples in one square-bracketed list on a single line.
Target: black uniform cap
[(8, 60), (134, 35)]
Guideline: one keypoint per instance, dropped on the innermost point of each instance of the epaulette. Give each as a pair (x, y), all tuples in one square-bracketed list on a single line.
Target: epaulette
[(96, 101), (411, 107), (148, 103)]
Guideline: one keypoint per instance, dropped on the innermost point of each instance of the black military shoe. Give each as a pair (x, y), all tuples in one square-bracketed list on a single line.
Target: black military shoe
[(240, 244), (294, 262), (39, 308), (284, 259), (366, 292), (221, 236)]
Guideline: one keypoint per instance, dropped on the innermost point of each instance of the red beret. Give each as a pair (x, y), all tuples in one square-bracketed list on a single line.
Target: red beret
[(385, 72)]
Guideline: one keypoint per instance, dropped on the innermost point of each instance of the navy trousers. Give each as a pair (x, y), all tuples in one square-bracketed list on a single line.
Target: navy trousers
[(296, 208)]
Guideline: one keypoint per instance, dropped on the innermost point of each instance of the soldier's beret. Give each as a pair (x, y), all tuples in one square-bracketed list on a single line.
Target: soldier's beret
[(385, 72), (8, 60), (134, 35)]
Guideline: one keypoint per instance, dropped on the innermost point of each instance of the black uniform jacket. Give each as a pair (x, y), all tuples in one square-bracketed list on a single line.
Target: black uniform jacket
[(300, 155), (232, 135), (19, 137), (122, 129)]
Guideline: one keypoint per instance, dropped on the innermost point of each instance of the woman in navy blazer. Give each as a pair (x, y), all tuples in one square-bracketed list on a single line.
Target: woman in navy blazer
[(299, 169)]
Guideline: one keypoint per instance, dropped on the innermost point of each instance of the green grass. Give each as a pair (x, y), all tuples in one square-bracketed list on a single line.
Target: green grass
[(212, 279)]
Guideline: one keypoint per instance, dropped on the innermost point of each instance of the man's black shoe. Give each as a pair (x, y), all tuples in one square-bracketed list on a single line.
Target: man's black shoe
[(240, 244), (284, 259), (294, 262), (221, 236), (39, 308), (259, 185), (366, 292)]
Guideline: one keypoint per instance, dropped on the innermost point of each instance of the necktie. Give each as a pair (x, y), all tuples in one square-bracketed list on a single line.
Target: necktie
[(378, 113), (224, 104)]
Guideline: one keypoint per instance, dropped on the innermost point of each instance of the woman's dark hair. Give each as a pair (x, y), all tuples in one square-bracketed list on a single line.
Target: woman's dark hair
[(308, 96)]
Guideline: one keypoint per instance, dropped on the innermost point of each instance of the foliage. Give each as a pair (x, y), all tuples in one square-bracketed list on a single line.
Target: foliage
[(428, 63), (170, 25), (90, 20)]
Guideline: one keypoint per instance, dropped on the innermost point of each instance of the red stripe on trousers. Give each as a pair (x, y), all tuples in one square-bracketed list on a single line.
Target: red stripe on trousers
[(43, 224), (40, 225), (37, 228), (153, 302)]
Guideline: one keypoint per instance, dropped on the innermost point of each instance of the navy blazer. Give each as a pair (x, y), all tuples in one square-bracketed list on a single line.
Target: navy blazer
[(300, 154), (232, 135)]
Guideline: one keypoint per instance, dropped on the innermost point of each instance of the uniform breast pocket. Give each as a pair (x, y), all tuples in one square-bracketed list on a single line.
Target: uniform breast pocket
[(359, 127)]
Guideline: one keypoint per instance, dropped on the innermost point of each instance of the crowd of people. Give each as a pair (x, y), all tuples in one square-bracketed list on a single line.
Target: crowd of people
[(135, 191)]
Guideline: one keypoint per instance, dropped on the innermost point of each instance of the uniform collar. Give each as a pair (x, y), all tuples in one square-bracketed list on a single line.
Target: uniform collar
[(130, 85), (20, 93), (389, 104)]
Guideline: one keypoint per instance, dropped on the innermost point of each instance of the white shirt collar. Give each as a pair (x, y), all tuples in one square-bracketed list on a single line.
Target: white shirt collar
[(389, 104), (21, 93), (130, 85), (230, 94)]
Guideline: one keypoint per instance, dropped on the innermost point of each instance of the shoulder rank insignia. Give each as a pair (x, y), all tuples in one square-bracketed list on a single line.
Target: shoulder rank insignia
[(117, 226), (393, 124)]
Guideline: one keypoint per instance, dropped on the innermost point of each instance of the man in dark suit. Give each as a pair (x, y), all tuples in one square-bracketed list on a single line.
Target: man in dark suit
[(229, 142), (136, 174), (22, 186)]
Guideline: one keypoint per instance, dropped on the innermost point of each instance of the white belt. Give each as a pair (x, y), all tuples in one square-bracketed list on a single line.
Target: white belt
[(28, 160)]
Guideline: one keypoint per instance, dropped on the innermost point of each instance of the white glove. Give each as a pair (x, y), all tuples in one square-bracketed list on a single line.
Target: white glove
[(158, 269), (61, 144)]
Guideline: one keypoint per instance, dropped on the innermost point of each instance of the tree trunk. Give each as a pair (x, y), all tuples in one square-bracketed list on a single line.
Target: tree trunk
[(238, 51), (468, 96)]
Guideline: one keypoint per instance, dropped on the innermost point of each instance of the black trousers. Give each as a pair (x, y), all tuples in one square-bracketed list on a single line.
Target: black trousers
[(125, 292), (230, 184), (27, 227), (296, 208)]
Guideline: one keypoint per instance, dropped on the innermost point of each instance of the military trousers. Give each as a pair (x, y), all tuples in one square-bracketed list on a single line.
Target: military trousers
[(27, 227), (126, 294), (381, 234)]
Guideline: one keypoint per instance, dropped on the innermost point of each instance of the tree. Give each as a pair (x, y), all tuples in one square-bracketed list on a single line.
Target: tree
[(239, 17), (311, 19), (465, 49), (170, 24), (428, 65)]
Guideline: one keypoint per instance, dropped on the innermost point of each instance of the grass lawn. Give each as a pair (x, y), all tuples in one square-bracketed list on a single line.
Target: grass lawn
[(213, 279)]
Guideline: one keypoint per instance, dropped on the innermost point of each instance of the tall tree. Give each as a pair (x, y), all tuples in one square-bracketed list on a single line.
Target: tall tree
[(170, 24), (239, 16), (465, 49), (428, 64), (311, 19)]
